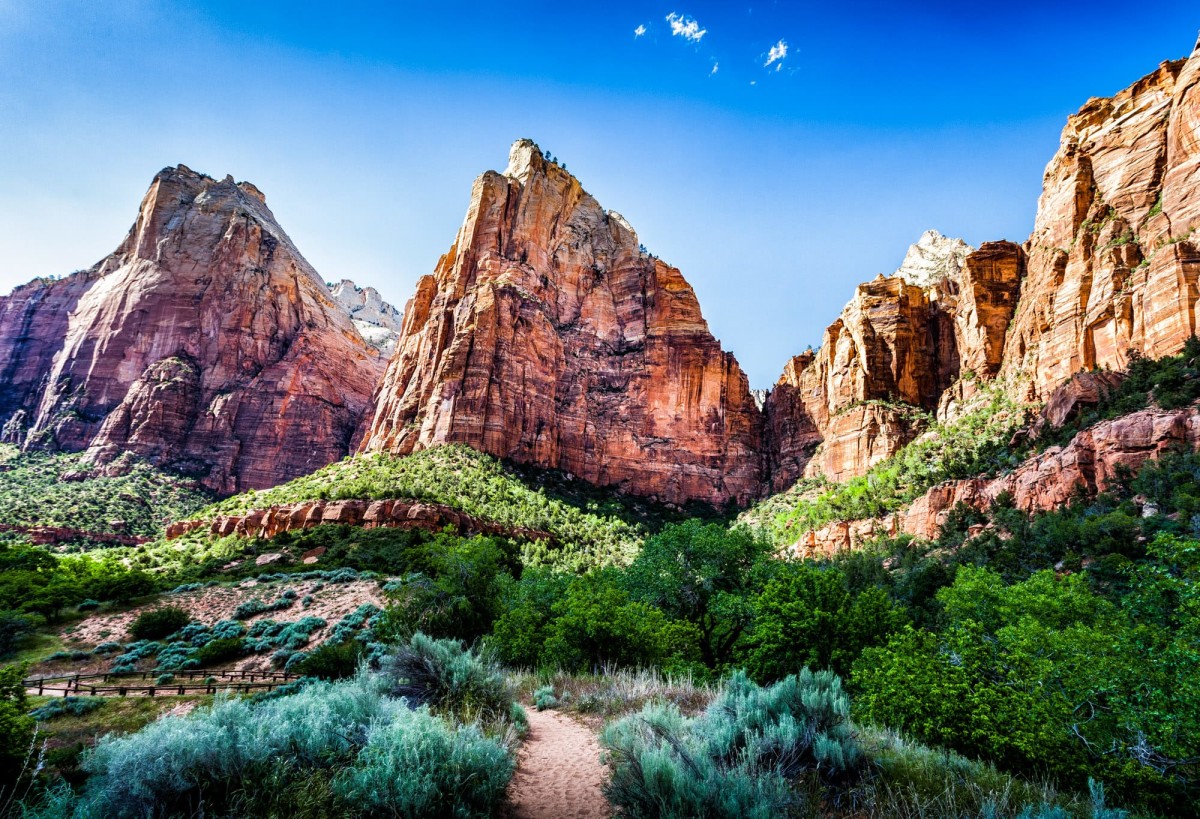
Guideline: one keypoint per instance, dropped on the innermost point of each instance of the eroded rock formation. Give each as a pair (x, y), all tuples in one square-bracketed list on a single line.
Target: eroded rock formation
[(546, 335), (1114, 257), (369, 514), (205, 343), (884, 367), (377, 321), (1091, 462)]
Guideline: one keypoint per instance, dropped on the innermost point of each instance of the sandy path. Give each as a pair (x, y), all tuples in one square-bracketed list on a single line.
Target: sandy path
[(558, 771)]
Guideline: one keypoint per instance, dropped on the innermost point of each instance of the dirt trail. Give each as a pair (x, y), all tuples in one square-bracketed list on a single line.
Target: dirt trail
[(558, 771)]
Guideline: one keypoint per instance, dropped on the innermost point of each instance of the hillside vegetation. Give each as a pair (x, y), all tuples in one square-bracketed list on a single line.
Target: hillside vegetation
[(41, 489), (592, 527), (977, 442)]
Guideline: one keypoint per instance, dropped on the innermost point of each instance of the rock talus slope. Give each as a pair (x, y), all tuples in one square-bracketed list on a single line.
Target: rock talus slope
[(205, 342), (546, 335)]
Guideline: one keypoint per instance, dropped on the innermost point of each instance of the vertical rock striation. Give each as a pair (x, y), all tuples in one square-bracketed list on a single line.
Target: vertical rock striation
[(547, 335), (1114, 258), (205, 342), (887, 363)]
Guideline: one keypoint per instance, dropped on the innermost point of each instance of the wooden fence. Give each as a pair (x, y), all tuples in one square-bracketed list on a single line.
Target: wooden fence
[(124, 685)]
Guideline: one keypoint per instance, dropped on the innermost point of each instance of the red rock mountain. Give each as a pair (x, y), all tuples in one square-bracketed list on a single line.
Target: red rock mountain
[(549, 336), (1114, 258), (546, 335), (205, 343), (1113, 265)]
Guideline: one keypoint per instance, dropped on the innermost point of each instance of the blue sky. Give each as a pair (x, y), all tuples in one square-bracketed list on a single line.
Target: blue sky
[(828, 137)]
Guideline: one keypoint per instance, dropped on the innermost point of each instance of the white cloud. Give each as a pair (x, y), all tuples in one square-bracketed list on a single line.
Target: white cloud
[(686, 27), (715, 67), (639, 31), (777, 54)]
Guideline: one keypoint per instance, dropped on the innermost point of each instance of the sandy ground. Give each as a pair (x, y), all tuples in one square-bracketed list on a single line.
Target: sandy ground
[(558, 771), (210, 605)]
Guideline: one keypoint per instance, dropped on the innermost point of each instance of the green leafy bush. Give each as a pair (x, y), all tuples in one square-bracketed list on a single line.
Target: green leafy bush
[(219, 651), (154, 624), (331, 660), (16, 726)]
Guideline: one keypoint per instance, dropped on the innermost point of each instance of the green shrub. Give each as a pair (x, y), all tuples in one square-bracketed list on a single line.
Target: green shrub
[(66, 706), (373, 754), (16, 726), (15, 626), (219, 651), (155, 624), (416, 766), (738, 757), (331, 660), (447, 675), (544, 698)]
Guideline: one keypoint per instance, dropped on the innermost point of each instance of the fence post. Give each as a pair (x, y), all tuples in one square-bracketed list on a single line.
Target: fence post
[(121, 691)]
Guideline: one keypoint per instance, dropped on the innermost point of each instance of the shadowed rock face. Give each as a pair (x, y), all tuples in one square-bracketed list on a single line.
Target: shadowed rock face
[(546, 335), (205, 343)]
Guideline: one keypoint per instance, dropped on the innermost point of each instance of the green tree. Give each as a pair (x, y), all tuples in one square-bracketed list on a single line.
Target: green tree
[(703, 574), (806, 617)]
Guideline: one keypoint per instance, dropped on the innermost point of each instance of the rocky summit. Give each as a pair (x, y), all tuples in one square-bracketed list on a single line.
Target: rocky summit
[(548, 336), (205, 343)]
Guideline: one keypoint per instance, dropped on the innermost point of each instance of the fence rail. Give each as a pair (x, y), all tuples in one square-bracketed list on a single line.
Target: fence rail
[(97, 685)]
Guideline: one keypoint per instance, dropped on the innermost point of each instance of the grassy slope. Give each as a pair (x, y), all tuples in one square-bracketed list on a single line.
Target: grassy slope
[(604, 524), (976, 442), (33, 492)]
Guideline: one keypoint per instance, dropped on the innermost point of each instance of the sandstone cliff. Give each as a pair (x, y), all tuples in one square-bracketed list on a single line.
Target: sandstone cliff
[(1114, 258), (205, 343), (885, 366), (546, 335)]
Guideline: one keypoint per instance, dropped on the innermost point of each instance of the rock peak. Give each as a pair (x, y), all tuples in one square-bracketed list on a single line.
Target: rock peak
[(525, 159), (547, 336), (934, 258)]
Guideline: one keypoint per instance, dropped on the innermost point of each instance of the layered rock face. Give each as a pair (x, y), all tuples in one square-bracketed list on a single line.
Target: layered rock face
[(205, 343), (886, 364), (1114, 259), (377, 321), (392, 514), (546, 335), (1093, 460)]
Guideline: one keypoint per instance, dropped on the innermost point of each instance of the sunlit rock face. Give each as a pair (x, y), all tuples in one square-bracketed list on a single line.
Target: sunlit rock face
[(886, 364), (205, 342), (377, 321), (1114, 258), (548, 336)]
